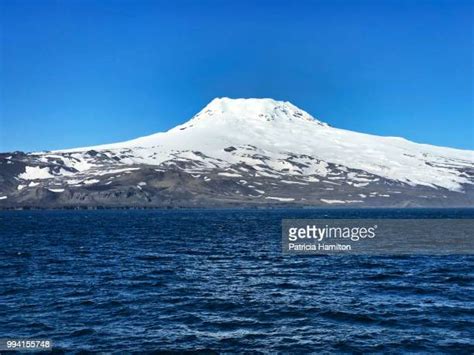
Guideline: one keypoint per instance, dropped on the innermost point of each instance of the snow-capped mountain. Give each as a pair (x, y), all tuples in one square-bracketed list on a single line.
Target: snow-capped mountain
[(238, 152)]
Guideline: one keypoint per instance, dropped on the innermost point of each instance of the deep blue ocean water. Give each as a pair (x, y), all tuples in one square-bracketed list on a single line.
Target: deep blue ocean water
[(216, 280)]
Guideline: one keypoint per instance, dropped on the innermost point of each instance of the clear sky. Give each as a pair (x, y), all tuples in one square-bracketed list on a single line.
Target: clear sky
[(77, 73)]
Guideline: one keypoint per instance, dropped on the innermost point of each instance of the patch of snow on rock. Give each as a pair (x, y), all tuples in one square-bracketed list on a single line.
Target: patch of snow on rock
[(91, 181), (35, 173), (229, 174), (282, 199), (340, 201)]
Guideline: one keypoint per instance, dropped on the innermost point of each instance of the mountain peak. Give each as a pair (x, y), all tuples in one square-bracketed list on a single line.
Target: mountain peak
[(226, 102), (254, 108), (258, 139)]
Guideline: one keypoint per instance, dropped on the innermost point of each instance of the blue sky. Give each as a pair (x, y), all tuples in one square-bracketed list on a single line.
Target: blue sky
[(77, 73)]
